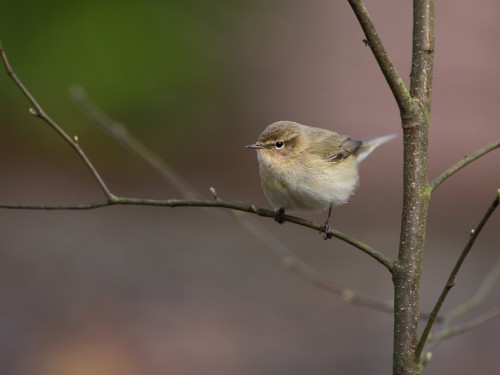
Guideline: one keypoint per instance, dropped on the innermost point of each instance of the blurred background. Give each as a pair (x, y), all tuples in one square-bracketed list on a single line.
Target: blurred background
[(142, 290)]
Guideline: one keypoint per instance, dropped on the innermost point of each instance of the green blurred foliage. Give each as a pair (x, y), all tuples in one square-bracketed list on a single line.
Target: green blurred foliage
[(161, 67)]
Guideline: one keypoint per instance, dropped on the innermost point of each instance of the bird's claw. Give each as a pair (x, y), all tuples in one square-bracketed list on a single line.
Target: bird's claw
[(326, 229), (279, 215)]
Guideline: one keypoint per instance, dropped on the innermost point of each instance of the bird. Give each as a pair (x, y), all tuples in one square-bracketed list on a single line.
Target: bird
[(308, 169)]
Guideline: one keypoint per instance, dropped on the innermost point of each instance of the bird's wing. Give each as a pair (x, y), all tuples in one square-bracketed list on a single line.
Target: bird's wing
[(341, 148)]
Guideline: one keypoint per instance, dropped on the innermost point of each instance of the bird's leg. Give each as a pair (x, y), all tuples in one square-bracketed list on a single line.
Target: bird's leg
[(279, 215), (326, 228)]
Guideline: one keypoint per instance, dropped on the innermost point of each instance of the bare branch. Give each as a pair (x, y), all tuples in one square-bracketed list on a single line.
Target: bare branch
[(451, 279), (448, 331), (482, 292), (463, 163), (55, 207), (37, 111), (415, 122), (422, 64), (382, 259), (396, 84)]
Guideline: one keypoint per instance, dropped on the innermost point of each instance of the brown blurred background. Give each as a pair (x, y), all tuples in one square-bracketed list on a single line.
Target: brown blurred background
[(141, 290)]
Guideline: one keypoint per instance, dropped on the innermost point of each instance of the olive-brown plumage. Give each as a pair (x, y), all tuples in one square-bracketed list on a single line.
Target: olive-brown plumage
[(304, 168)]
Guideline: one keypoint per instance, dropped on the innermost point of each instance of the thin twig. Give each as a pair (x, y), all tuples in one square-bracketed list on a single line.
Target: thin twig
[(463, 163), (457, 330), (451, 279), (382, 259), (482, 292), (37, 111), (448, 331), (396, 84)]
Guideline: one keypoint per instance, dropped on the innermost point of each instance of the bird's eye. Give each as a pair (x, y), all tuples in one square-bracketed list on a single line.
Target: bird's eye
[(279, 144)]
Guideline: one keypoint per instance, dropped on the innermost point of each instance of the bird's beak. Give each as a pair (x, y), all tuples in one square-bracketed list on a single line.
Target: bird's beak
[(256, 146)]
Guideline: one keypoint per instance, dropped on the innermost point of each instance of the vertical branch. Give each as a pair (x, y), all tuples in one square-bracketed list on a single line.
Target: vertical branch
[(423, 52), (414, 106), (416, 193)]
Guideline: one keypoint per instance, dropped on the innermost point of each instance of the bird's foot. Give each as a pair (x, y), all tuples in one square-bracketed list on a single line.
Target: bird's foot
[(326, 229), (279, 215)]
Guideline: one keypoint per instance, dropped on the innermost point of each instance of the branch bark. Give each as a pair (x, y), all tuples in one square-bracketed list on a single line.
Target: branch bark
[(416, 193), (414, 106), (379, 257)]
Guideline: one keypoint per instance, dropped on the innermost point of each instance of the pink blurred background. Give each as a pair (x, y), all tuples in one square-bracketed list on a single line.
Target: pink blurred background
[(141, 290)]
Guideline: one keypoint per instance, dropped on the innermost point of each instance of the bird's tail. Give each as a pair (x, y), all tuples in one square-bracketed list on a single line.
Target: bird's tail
[(371, 144)]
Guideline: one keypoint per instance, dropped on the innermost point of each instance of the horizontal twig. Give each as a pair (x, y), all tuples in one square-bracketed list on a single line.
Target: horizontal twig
[(382, 259)]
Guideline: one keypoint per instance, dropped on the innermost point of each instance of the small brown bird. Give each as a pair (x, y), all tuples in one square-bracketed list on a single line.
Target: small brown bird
[(308, 169)]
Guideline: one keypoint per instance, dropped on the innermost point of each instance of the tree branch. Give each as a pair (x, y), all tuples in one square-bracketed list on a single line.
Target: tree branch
[(382, 259), (482, 292), (451, 279), (414, 107), (463, 163), (448, 331), (388, 69), (422, 66), (415, 123), (37, 111)]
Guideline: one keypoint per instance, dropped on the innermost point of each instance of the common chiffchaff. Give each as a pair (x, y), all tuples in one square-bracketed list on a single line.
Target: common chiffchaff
[(304, 168)]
